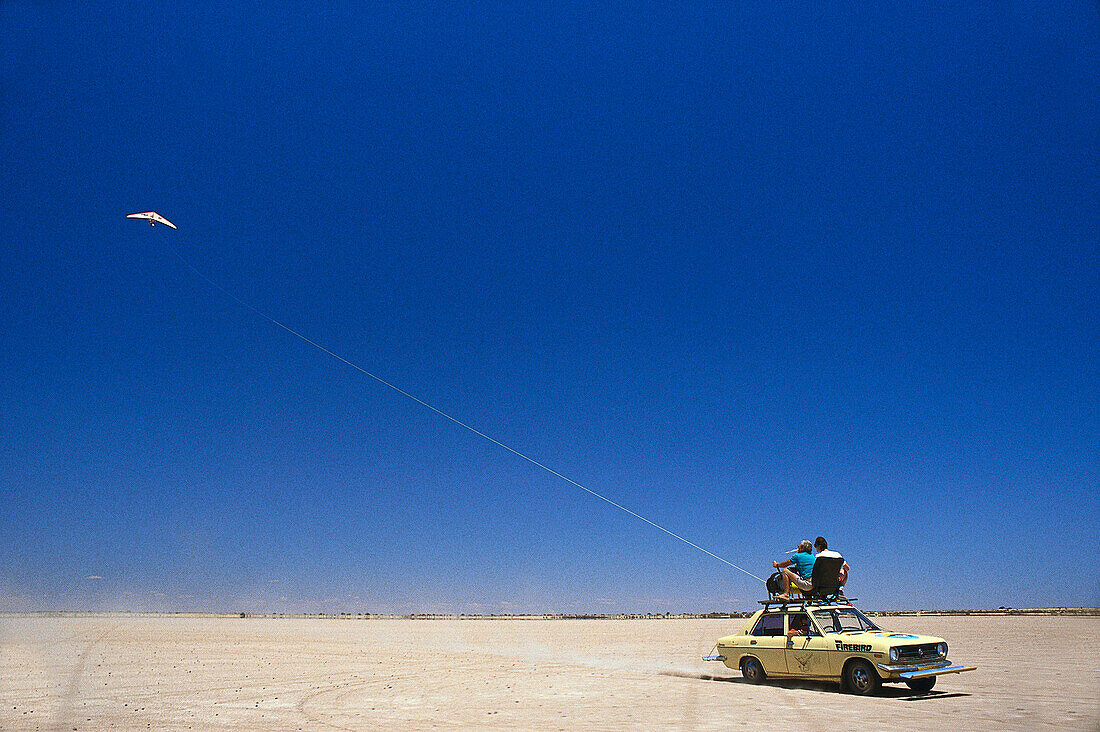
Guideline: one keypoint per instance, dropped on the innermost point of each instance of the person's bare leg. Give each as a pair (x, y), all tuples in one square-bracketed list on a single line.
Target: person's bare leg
[(786, 577)]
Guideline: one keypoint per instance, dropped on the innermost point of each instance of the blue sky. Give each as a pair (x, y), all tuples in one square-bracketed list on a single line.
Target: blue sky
[(755, 273)]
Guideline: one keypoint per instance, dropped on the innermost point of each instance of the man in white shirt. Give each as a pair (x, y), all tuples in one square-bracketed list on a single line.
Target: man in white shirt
[(823, 550)]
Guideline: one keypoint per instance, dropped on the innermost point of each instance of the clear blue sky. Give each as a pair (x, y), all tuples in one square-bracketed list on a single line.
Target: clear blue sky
[(756, 273)]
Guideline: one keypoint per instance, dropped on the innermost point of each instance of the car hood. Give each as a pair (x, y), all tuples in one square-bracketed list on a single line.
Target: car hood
[(883, 638)]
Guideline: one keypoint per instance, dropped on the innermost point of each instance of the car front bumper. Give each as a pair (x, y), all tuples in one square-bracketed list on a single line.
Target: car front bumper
[(909, 672)]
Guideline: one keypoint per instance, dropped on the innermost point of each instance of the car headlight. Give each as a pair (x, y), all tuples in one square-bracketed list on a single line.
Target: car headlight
[(893, 655), (942, 648)]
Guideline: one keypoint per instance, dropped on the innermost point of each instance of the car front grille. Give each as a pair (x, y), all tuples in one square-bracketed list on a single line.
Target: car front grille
[(919, 653)]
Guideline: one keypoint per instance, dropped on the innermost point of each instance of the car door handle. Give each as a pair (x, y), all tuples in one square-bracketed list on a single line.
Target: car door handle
[(752, 643)]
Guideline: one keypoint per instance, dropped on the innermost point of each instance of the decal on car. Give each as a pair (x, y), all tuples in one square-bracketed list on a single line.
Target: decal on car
[(856, 647)]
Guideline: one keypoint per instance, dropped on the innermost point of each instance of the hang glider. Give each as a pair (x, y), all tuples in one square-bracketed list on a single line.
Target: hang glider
[(153, 217)]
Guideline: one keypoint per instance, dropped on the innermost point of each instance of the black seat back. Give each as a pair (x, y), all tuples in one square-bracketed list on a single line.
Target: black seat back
[(826, 578)]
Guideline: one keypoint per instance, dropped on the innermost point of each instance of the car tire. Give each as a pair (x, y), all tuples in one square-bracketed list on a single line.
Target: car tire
[(861, 678), (922, 686), (752, 670)]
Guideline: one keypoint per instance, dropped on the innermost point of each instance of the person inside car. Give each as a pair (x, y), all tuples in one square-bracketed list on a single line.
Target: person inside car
[(799, 625)]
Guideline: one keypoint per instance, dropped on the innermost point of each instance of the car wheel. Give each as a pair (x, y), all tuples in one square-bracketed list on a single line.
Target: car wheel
[(922, 685), (752, 670), (860, 678)]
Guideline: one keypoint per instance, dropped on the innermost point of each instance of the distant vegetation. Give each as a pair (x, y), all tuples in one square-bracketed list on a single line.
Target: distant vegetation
[(1002, 611)]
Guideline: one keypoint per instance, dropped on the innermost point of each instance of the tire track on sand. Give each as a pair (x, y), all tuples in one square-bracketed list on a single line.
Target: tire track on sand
[(338, 691), (66, 706)]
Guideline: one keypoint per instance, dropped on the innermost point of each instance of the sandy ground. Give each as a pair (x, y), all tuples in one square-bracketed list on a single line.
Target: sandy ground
[(85, 673)]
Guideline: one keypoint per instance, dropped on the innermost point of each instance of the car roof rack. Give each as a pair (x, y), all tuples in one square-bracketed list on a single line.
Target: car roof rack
[(803, 602)]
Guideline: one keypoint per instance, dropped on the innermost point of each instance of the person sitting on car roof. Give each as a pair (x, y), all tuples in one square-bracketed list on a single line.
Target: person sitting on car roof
[(803, 563), (823, 550)]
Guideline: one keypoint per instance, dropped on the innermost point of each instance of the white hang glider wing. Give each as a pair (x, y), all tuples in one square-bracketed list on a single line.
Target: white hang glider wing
[(153, 217)]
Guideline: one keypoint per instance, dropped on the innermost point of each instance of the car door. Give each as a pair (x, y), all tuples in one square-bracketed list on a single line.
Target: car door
[(806, 655), (768, 643)]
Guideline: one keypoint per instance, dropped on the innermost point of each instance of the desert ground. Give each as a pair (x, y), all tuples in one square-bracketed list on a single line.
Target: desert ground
[(213, 673)]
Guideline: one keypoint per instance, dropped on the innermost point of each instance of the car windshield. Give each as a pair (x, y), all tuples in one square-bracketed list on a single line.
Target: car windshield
[(843, 620)]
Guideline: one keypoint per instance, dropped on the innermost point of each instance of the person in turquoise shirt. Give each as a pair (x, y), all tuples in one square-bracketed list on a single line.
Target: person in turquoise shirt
[(803, 563)]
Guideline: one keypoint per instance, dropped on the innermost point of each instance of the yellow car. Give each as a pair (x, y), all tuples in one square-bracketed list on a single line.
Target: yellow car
[(832, 641)]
